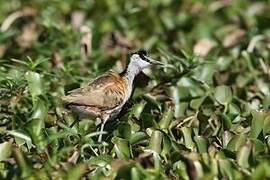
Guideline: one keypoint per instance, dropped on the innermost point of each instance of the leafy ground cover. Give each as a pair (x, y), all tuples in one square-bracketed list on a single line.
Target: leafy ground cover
[(205, 116)]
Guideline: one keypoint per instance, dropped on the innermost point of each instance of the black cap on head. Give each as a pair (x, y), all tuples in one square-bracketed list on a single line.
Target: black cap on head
[(142, 53)]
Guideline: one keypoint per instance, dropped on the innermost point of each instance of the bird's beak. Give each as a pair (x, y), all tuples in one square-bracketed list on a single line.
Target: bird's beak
[(152, 61)]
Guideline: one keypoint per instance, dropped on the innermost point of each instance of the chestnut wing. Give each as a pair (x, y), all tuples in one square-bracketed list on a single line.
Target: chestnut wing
[(105, 92)]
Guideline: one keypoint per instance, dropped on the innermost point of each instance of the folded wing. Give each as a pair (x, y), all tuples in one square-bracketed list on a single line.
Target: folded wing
[(105, 92)]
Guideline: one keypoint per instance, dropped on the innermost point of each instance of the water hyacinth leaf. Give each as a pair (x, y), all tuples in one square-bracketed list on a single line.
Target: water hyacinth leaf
[(124, 130), (5, 150), (183, 93), (227, 123), (236, 142), (256, 124), (188, 137), (205, 73), (167, 144), (152, 101), (196, 103), (147, 120), (24, 167), (35, 127), (135, 174), (223, 94), (34, 83), (226, 137), (226, 168), (157, 161), (121, 147), (243, 155), (77, 172), (155, 141), (201, 143), (166, 118), (180, 109), (260, 171), (234, 109), (23, 136), (258, 147), (137, 109), (40, 110), (101, 160), (266, 125), (174, 91), (137, 137)]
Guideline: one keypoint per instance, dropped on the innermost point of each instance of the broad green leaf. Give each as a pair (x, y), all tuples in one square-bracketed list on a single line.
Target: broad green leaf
[(166, 119), (205, 73), (101, 160), (121, 147), (167, 144), (34, 83), (124, 130), (40, 110), (135, 174), (137, 137), (77, 171), (236, 142), (24, 167), (22, 136), (223, 94), (243, 155), (5, 150), (226, 168), (201, 143), (187, 137), (180, 109), (196, 103), (137, 109), (256, 124), (155, 141), (152, 101)]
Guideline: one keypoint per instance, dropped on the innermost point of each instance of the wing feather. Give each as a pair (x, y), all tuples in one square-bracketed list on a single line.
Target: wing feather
[(105, 92)]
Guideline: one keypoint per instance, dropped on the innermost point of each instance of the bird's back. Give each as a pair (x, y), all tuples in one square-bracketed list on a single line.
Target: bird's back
[(105, 92)]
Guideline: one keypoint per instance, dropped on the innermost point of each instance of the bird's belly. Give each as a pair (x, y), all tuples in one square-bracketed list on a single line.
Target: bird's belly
[(84, 111)]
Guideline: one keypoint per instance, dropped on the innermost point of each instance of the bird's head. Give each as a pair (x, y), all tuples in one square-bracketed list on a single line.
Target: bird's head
[(142, 60)]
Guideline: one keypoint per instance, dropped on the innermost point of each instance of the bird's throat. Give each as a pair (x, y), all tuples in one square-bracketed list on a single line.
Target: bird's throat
[(131, 72)]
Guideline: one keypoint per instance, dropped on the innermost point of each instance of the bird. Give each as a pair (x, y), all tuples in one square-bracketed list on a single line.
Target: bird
[(105, 96)]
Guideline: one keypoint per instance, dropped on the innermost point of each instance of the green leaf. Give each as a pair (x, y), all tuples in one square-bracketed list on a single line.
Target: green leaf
[(223, 94), (40, 110), (137, 109), (196, 103), (5, 150), (34, 83), (236, 142), (24, 167), (124, 130), (188, 138), (152, 101), (256, 124), (23, 136), (77, 171), (121, 147), (101, 160), (201, 143), (155, 141), (135, 174), (243, 155), (166, 119), (167, 144), (137, 137), (226, 168)]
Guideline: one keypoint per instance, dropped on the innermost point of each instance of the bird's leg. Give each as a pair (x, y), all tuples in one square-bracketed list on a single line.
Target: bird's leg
[(104, 120)]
